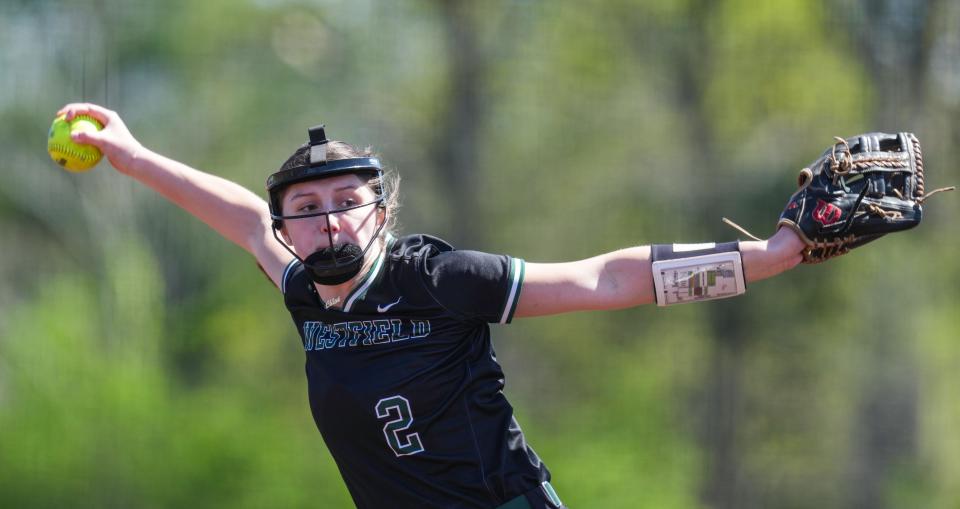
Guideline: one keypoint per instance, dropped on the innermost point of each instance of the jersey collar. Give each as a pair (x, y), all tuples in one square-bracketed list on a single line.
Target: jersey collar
[(361, 289)]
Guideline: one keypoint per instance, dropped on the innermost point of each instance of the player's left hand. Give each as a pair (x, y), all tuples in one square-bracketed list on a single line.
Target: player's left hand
[(858, 190)]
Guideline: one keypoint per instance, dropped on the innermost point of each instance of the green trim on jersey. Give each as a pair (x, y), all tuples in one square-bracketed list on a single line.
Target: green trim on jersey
[(517, 269), (361, 289), (551, 493), (286, 274)]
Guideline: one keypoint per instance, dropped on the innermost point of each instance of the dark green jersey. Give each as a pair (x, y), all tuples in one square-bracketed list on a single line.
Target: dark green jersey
[(403, 381)]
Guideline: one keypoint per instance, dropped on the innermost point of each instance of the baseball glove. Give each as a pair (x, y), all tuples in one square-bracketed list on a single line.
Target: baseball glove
[(859, 190)]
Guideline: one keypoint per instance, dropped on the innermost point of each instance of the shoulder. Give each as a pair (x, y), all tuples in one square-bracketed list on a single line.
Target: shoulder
[(417, 246), (430, 250), (296, 286), (408, 258), (289, 273), (469, 284), (426, 256)]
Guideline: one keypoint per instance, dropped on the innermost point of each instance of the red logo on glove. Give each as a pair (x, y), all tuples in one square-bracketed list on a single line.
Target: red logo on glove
[(826, 213)]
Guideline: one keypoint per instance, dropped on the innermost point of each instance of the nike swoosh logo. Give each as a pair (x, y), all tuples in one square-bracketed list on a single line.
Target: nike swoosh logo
[(383, 309)]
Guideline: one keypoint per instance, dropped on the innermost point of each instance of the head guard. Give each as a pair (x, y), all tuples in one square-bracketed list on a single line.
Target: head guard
[(332, 265)]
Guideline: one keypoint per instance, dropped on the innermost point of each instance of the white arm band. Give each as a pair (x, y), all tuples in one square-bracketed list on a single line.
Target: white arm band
[(694, 272)]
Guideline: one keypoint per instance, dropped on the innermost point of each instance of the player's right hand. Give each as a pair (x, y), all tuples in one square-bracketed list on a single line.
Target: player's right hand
[(114, 140)]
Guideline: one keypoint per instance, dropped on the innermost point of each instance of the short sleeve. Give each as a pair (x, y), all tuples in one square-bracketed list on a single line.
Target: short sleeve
[(474, 285), (288, 273)]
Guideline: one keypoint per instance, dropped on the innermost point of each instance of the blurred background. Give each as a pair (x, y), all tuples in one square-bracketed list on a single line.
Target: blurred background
[(146, 363)]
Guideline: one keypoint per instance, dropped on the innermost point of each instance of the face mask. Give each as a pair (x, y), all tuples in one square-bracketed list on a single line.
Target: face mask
[(337, 264), (334, 265)]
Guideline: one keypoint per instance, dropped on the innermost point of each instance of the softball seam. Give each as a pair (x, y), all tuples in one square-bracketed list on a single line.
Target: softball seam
[(68, 151)]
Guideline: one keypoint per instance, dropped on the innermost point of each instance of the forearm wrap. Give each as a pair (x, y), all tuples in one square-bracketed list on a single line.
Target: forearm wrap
[(694, 272)]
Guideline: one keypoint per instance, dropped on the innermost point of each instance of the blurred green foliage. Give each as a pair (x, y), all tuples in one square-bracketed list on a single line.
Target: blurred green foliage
[(144, 362)]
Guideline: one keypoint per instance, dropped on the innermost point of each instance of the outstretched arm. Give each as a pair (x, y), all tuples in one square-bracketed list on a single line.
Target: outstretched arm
[(232, 210), (624, 279)]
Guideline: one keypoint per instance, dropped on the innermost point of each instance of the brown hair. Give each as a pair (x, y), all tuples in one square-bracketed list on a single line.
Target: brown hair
[(337, 150)]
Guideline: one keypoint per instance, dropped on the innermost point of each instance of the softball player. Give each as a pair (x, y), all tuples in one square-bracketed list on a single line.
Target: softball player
[(403, 382)]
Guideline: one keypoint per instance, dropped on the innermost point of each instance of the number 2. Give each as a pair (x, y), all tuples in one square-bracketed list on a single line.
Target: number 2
[(398, 408)]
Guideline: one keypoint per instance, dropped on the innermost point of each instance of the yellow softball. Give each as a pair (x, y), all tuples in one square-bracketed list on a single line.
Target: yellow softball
[(70, 155)]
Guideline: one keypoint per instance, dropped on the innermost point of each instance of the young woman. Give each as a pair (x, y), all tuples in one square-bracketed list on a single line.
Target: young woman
[(403, 383)]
